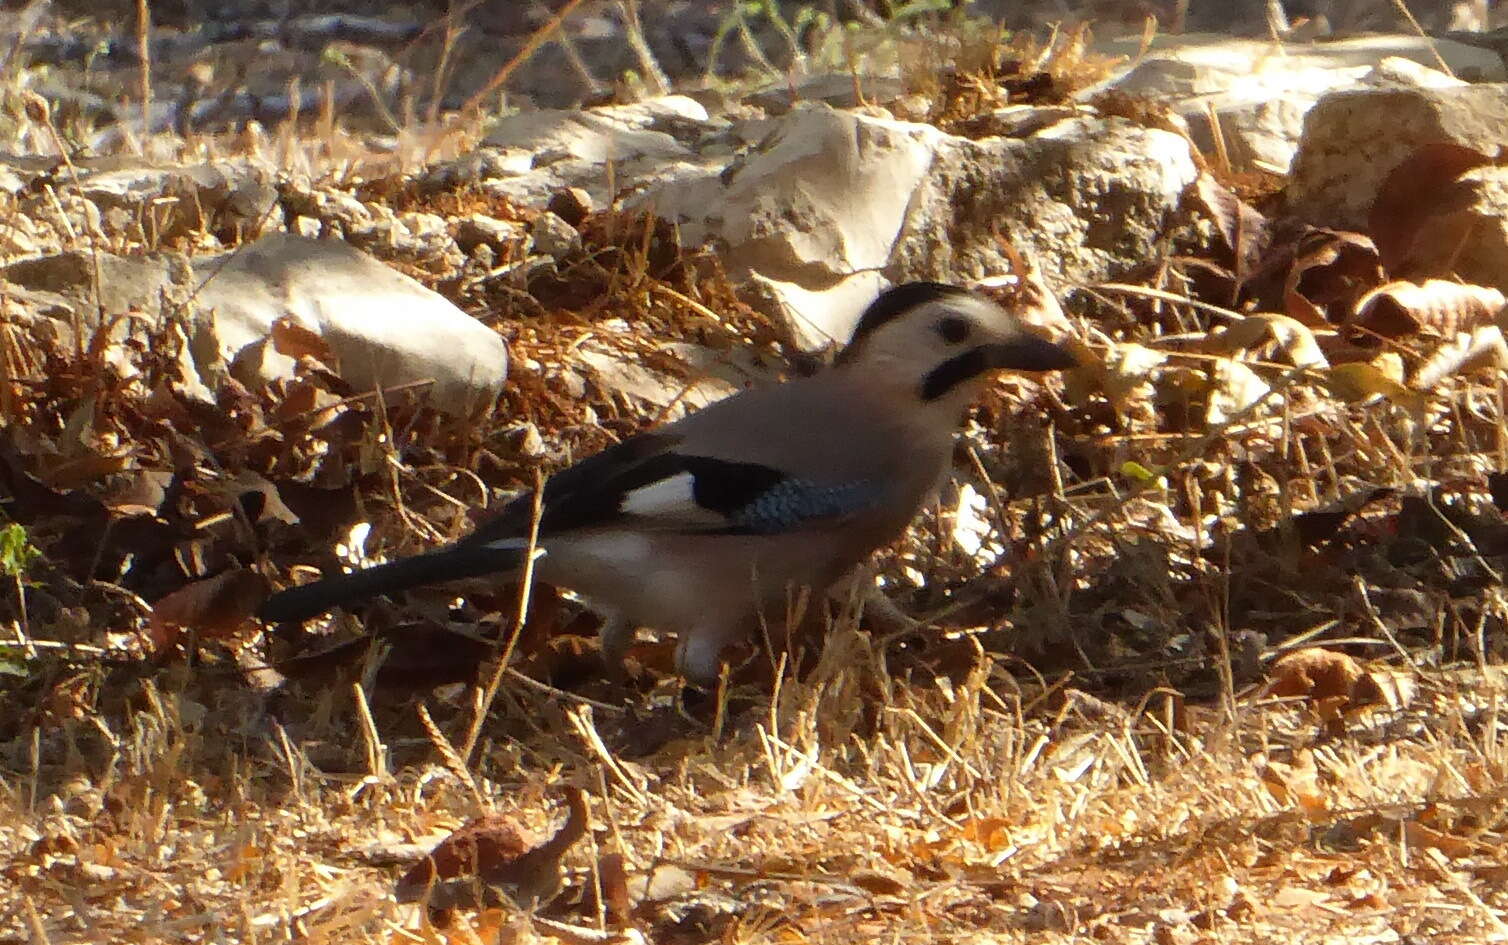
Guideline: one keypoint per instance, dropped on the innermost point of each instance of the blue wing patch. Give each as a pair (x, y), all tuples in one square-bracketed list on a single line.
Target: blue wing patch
[(791, 503)]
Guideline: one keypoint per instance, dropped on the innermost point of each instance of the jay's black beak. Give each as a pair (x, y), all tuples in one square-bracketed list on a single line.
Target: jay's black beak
[(1029, 353)]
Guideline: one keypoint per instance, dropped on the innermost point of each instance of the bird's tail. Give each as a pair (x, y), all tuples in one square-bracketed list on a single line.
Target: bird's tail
[(435, 567)]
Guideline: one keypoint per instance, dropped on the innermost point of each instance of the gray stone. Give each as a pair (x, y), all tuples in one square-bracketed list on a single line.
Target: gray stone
[(708, 375), (602, 150), (611, 133), (226, 198), (429, 238), (838, 89), (821, 198), (1353, 139), (554, 237), (1087, 199), (481, 230), (124, 283), (485, 163), (831, 205), (384, 328), (572, 204), (1259, 91)]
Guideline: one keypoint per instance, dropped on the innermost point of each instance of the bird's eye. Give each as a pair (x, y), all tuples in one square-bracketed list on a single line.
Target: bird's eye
[(953, 329)]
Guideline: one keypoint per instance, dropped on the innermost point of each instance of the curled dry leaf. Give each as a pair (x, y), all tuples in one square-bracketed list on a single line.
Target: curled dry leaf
[(295, 341), (214, 607), (1384, 688), (1331, 270), (1268, 335), (1480, 348), (612, 872), (1422, 836), (1246, 232), (1316, 673), (1425, 185), (1024, 293), (80, 467), (494, 850), (481, 844), (892, 882), (308, 401), (138, 492), (1435, 305), (1297, 783)]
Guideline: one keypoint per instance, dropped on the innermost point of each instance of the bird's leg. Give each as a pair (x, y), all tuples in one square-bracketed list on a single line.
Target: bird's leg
[(883, 615), (877, 610), (698, 655), (615, 637)]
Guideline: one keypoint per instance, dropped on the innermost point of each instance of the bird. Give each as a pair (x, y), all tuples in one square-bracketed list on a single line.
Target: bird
[(708, 525)]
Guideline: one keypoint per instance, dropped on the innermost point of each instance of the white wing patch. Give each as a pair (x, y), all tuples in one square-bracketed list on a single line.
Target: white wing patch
[(671, 498)]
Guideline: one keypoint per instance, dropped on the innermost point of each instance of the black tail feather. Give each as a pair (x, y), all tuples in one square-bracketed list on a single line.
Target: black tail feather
[(435, 567)]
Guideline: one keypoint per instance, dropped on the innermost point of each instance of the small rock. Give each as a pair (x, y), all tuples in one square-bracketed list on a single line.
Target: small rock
[(228, 198), (17, 241), (481, 230), (646, 142), (342, 210), (554, 237), (838, 89), (571, 204), (136, 283), (711, 375), (479, 165), (384, 328), (430, 234), (611, 133)]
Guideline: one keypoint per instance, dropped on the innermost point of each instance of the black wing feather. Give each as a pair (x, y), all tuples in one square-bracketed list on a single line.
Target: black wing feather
[(750, 498)]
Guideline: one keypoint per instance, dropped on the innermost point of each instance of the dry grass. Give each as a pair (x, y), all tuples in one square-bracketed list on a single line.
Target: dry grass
[(855, 805)]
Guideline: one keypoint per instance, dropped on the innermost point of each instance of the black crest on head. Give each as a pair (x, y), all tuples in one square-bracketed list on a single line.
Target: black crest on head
[(894, 302)]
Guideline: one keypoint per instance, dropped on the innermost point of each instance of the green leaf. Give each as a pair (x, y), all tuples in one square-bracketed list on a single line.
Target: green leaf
[(1131, 469), (16, 552)]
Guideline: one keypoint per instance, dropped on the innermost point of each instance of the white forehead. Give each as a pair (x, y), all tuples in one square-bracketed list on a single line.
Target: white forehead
[(909, 332)]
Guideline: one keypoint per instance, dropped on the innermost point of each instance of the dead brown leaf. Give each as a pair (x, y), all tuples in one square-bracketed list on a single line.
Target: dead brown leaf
[(613, 874), (295, 341), (1467, 351), (1245, 232), (1234, 389), (1426, 184), (1268, 335), (1331, 270), (494, 850), (1358, 382), (1125, 373), (214, 607), (1435, 305), (481, 844), (1384, 688), (1314, 672), (1425, 837)]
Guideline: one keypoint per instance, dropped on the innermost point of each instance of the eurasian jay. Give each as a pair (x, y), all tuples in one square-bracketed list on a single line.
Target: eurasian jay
[(707, 524)]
